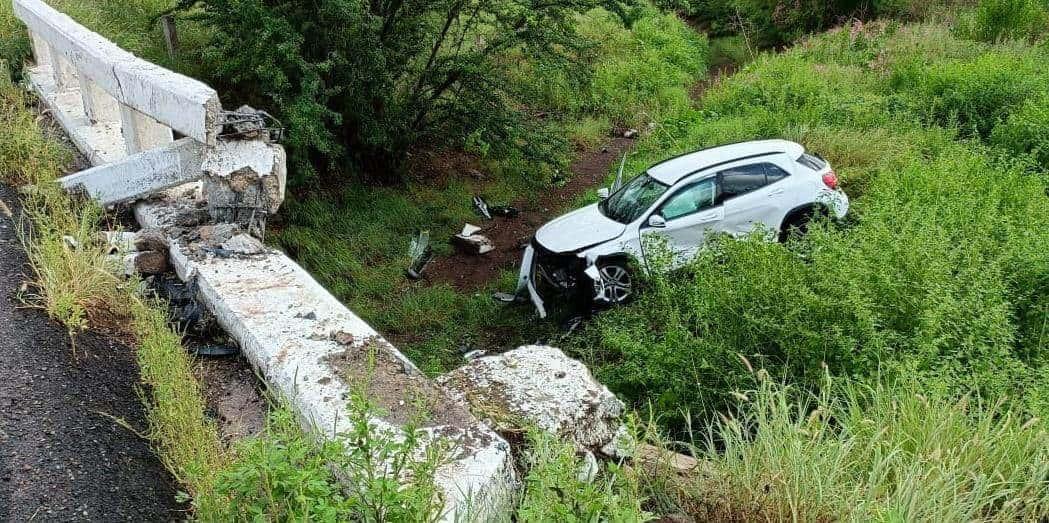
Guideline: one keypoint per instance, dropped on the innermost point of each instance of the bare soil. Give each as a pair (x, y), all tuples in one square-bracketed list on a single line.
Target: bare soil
[(471, 273), (233, 396), (63, 457)]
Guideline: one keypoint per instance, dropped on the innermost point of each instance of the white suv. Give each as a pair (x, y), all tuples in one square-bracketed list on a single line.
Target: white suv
[(731, 189)]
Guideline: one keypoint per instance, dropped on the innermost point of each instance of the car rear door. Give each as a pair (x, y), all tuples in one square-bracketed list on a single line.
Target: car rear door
[(749, 199)]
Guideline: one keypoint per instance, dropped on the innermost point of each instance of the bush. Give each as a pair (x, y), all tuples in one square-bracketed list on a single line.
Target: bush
[(973, 95), (771, 23), (1026, 130), (554, 491), (997, 20), (372, 81), (286, 475)]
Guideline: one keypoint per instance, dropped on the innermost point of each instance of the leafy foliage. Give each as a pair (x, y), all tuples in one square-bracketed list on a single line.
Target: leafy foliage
[(287, 475), (554, 490), (373, 80)]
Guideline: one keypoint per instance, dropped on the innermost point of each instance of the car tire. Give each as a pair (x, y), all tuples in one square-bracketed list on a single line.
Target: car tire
[(618, 276), (796, 224)]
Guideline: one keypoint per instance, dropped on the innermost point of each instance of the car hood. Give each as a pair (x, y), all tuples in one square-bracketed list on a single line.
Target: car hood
[(578, 230)]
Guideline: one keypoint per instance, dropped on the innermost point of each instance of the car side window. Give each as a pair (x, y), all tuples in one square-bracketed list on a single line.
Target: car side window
[(741, 180), (691, 199), (774, 173)]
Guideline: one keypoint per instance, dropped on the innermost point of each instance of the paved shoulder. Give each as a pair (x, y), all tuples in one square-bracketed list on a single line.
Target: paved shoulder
[(61, 456)]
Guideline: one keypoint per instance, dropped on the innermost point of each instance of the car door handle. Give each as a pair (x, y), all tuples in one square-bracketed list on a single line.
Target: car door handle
[(708, 217), (777, 192)]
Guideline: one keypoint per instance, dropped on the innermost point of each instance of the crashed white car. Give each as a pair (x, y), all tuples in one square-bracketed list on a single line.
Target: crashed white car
[(730, 189)]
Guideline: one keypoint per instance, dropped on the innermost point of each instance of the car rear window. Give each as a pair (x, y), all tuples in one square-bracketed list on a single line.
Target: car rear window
[(812, 162)]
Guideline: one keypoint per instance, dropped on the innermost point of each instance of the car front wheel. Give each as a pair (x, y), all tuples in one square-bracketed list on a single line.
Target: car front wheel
[(618, 282)]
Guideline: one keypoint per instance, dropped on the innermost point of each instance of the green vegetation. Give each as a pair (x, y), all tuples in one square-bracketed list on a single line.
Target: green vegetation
[(872, 454), (940, 275)]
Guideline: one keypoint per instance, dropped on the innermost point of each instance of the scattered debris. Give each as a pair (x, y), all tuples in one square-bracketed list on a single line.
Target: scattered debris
[(343, 338), (244, 244), (248, 123), (504, 297), (419, 253), (588, 468), (71, 242), (119, 242), (481, 207), (150, 240), (505, 211), (214, 350), (630, 133), (5, 210), (654, 456), (541, 386), (474, 354), (475, 244), (146, 262)]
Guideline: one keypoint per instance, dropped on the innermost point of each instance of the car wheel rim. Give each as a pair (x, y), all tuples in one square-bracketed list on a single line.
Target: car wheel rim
[(617, 282)]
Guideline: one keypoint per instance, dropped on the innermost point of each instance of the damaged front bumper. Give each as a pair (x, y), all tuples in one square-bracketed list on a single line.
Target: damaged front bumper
[(544, 272)]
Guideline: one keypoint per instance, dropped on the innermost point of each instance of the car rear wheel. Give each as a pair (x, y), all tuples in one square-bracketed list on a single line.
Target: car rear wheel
[(618, 281), (797, 223)]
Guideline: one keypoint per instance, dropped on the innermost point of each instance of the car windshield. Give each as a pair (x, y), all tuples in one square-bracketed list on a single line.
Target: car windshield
[(633, 199)]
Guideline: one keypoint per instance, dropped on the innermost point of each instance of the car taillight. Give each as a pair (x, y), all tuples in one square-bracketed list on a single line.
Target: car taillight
[(831, 180)]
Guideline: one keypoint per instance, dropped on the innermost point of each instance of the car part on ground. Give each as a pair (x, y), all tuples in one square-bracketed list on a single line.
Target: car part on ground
[(419, 254)]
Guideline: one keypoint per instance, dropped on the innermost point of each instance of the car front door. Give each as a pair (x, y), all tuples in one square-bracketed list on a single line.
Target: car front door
[(688, 214), (747, 198)]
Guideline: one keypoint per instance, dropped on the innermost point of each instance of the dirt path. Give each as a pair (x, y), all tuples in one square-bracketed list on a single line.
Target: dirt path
[(470, 273), (61, 457)]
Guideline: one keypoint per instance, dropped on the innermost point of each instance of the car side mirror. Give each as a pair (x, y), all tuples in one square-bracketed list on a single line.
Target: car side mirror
[(657, 221), (602, 193)]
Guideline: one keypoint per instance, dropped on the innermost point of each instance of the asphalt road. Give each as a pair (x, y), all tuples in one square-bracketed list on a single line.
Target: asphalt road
[(61, 457)]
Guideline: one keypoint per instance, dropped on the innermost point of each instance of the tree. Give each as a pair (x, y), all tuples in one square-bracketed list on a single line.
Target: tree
[(371, 80)]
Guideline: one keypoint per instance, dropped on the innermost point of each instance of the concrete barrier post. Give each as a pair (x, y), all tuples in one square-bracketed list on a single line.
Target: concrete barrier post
[(142, 133), (41, 51), (98, 105), (65, 75)]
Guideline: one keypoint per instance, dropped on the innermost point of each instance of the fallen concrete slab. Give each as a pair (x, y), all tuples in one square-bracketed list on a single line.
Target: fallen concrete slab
[(140, 175), (314, 352), (540, 386)]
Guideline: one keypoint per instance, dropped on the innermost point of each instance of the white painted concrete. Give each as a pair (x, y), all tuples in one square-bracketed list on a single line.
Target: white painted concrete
[(288, 325), (101, 143), (140, 175), (142, 133), (184, 104)]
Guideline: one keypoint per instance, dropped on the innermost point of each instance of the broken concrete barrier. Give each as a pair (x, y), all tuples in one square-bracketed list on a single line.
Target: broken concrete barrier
[(315, 353), (244, 181), (540, 386)]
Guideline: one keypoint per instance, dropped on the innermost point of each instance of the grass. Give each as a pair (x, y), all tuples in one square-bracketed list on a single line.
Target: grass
[(930, 302), (889, 453)]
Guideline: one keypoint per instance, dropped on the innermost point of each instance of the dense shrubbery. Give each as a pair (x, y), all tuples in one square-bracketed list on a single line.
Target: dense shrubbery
[(997, 20), (372, 81), (771, 23), (941, 273)]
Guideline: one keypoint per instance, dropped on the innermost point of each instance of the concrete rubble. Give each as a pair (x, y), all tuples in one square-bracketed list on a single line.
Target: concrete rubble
[(540, 386)]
